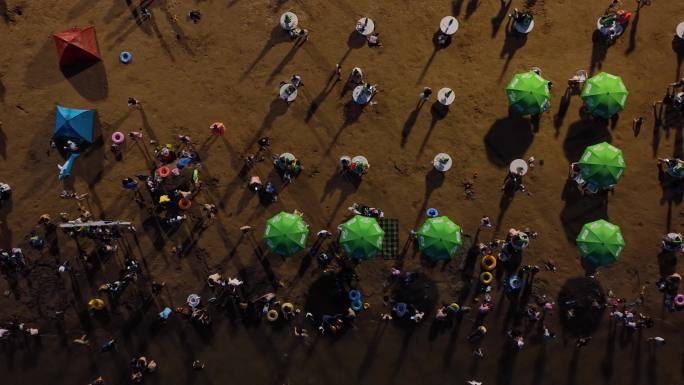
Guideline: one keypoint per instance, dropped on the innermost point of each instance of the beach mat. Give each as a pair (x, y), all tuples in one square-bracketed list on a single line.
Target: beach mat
[(390, 245)]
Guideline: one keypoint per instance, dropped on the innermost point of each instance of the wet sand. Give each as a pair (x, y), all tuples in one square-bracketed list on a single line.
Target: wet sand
[(227, 68)]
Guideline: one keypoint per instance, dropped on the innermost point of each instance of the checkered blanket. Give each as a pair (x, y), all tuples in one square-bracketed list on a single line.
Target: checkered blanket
[(390, 245)]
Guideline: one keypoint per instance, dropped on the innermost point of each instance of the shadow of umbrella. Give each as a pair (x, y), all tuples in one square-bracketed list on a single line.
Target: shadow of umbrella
[(514, 41), (599, 49), (433, 180), (354, 41), (583, 133), (581, 296), (278, 36), (507, 139), (580, 209), (328, 294), (438, 112), (89, 80)]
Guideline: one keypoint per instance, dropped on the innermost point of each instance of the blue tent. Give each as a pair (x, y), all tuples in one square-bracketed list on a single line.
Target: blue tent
[(73, 124)]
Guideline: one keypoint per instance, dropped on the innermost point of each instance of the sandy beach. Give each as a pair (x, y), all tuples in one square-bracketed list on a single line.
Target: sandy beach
[(227, 68)]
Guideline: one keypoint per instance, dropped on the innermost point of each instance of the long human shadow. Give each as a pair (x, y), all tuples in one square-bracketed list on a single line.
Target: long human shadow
[(507, 139), (277, 36), (3, 143), (4, 11), (580, 209), (672, 192), (277, 108), (500, 16), (514, 41), (352, 113), (88, 79), (562, 110), (345, 185), (456, 7), (583, 133), (427, 66), (471, 7), (433, 180), (599, 50), (279, 68), (438, 112), (632, 33), (318, 100), (408, 124)]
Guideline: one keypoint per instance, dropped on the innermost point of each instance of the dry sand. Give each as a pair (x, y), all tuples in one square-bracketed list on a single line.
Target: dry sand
[(227, 68)]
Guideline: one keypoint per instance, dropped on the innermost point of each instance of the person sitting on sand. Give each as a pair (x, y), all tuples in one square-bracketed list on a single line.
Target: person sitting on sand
[(356, 76), (374, 40), (442, 40)]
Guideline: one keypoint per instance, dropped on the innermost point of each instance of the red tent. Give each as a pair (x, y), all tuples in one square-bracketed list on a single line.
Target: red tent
[(77, 46)]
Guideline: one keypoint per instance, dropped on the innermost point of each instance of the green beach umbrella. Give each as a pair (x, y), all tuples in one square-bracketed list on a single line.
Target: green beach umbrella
[(286, 233), (528, 93), (602, 164), (605, 95), (361, 237), (600, 242), (439, 238)]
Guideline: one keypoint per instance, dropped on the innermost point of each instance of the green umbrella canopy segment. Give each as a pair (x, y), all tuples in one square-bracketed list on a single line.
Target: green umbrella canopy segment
[(604, 95), (361, 237), (440, 238), (602, 164), (528, 93), (286, 233), (600, 242)]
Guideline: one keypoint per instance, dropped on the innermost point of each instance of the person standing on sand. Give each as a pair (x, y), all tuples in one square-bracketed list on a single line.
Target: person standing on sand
[(636, 125), (424, 96)]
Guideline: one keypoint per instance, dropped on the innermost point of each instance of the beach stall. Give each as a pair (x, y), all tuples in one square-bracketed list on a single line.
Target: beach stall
[(361, 237), (600, 242), (528, 93), (440, 238), (604, 95), (286, 233)]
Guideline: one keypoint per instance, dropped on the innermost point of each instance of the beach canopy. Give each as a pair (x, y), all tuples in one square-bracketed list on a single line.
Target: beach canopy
[(77, 46), (528, 93), (361, 237), (286, 233), (74, 124), (439, 238), (600, 242), (604, 95), (602, 164)]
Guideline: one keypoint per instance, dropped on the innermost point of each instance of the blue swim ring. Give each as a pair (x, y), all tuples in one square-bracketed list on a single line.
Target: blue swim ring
[(356, 305), (354, 295), (125, 57)]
